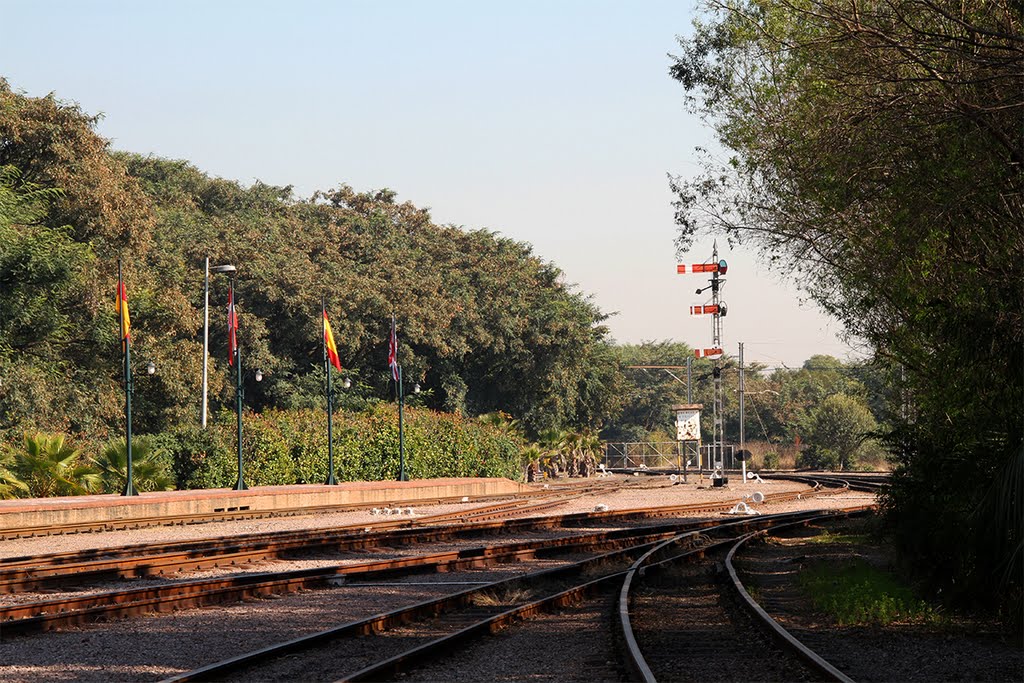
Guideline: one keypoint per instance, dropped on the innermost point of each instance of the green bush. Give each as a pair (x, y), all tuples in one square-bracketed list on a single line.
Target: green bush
[(290, 446)]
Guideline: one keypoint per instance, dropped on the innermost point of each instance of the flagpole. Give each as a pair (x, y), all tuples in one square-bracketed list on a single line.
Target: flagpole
[(129, 488), (330, 396), (233, 320), (396, 369), (401, 429)]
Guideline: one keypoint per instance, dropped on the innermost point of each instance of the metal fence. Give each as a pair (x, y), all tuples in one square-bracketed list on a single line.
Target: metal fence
[(669, 455)]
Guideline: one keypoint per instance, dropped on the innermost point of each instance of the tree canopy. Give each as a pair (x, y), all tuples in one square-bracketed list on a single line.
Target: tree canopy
[(483, 323), (876, 151)]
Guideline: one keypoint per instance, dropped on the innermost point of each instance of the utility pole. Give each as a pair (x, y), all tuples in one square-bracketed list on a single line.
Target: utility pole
[(743, 446)]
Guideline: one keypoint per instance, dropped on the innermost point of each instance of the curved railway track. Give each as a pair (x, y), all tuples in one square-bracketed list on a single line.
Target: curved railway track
[(21, 574), (64, 569), (391, 644), (245, 513), (587, 562)]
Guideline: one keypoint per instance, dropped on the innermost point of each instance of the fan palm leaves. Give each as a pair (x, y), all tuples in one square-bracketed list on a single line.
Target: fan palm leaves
[(530, 456), (552, 443), (10, 484), (49, 466), (501, 422), (148, 472)]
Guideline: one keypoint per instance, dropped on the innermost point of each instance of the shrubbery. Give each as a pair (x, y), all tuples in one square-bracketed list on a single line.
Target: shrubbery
[(278, 447), (290, 446)]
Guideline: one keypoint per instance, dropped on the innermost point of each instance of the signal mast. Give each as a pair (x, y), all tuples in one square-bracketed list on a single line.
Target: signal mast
[(717, 309)]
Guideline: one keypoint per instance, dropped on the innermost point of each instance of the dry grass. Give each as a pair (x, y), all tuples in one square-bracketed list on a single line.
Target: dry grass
[(513, 595), (760, 450)]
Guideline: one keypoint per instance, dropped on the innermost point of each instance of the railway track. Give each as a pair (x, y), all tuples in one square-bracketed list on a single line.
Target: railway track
[(852, 481), (490, 604), (47, 572), (674, 627), (387, 645), (60, 570), (232, 514)]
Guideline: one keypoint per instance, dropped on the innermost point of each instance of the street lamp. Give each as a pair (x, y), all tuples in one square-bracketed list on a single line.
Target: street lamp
[(227, 268), (129, 485), (346, 384), (401, 424)]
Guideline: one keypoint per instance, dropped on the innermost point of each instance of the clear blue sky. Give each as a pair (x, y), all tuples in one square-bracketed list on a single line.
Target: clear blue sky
[(553, 122)]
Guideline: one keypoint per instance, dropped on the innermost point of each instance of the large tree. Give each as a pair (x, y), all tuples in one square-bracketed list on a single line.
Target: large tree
[(484, 324), (876, 150)]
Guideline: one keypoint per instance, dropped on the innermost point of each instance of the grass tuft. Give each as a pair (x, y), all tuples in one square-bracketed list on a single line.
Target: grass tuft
[(857, 593)]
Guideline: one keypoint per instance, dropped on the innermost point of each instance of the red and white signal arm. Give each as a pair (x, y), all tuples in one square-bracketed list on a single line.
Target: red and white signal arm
[(688, 421)]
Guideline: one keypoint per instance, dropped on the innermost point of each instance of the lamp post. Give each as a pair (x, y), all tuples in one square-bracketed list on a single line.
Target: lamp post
[(401, 425), (235, 356), (206, 329), (345, 384), (126, 346), (401, 429)]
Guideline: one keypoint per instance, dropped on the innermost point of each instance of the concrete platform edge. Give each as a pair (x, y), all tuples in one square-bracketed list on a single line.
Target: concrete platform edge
[(27, 513)]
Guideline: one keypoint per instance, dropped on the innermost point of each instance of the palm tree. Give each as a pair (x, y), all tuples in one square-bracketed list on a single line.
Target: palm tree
[(573, 442), (530, 457), (49, 466), (10, 485), (502, 423), (148, 473), (592, 449), (552, 442)]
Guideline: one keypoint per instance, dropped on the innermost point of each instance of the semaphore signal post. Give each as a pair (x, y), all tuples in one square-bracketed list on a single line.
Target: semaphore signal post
[(717, 310)]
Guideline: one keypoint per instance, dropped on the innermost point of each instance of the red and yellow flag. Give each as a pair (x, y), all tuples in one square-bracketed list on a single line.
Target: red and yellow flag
[(332, 350), (121, 306)]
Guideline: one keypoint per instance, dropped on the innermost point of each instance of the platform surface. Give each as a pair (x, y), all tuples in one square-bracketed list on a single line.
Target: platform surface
[(32, 512)]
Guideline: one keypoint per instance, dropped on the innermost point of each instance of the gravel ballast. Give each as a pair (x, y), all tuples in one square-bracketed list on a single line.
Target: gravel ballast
[(156, 646)]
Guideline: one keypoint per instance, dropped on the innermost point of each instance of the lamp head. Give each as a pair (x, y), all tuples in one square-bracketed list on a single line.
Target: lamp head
[(226, 268), (150, 368), (347, 383), (259, 375), (416, 388)]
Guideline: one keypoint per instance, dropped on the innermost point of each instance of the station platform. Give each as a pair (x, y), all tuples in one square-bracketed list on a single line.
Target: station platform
[(78, 510)]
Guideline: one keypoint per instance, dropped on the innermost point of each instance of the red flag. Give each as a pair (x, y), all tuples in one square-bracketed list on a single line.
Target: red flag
[(232, 328), (122, 309), (393, 350), (332, 350)]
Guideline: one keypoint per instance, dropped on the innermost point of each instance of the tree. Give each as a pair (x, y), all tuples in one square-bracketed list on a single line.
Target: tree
[(838, 428), (484, 323), (876, 153)]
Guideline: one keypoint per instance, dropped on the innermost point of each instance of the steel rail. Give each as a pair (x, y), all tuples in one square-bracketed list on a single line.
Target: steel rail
[(392, 666), (25, 574), (31, 574), (50, 614), (635, 660), (229, 514), (437, 606), (816, 661)]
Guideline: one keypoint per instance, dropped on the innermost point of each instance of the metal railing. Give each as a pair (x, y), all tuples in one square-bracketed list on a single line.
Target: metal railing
[(669, 455)]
